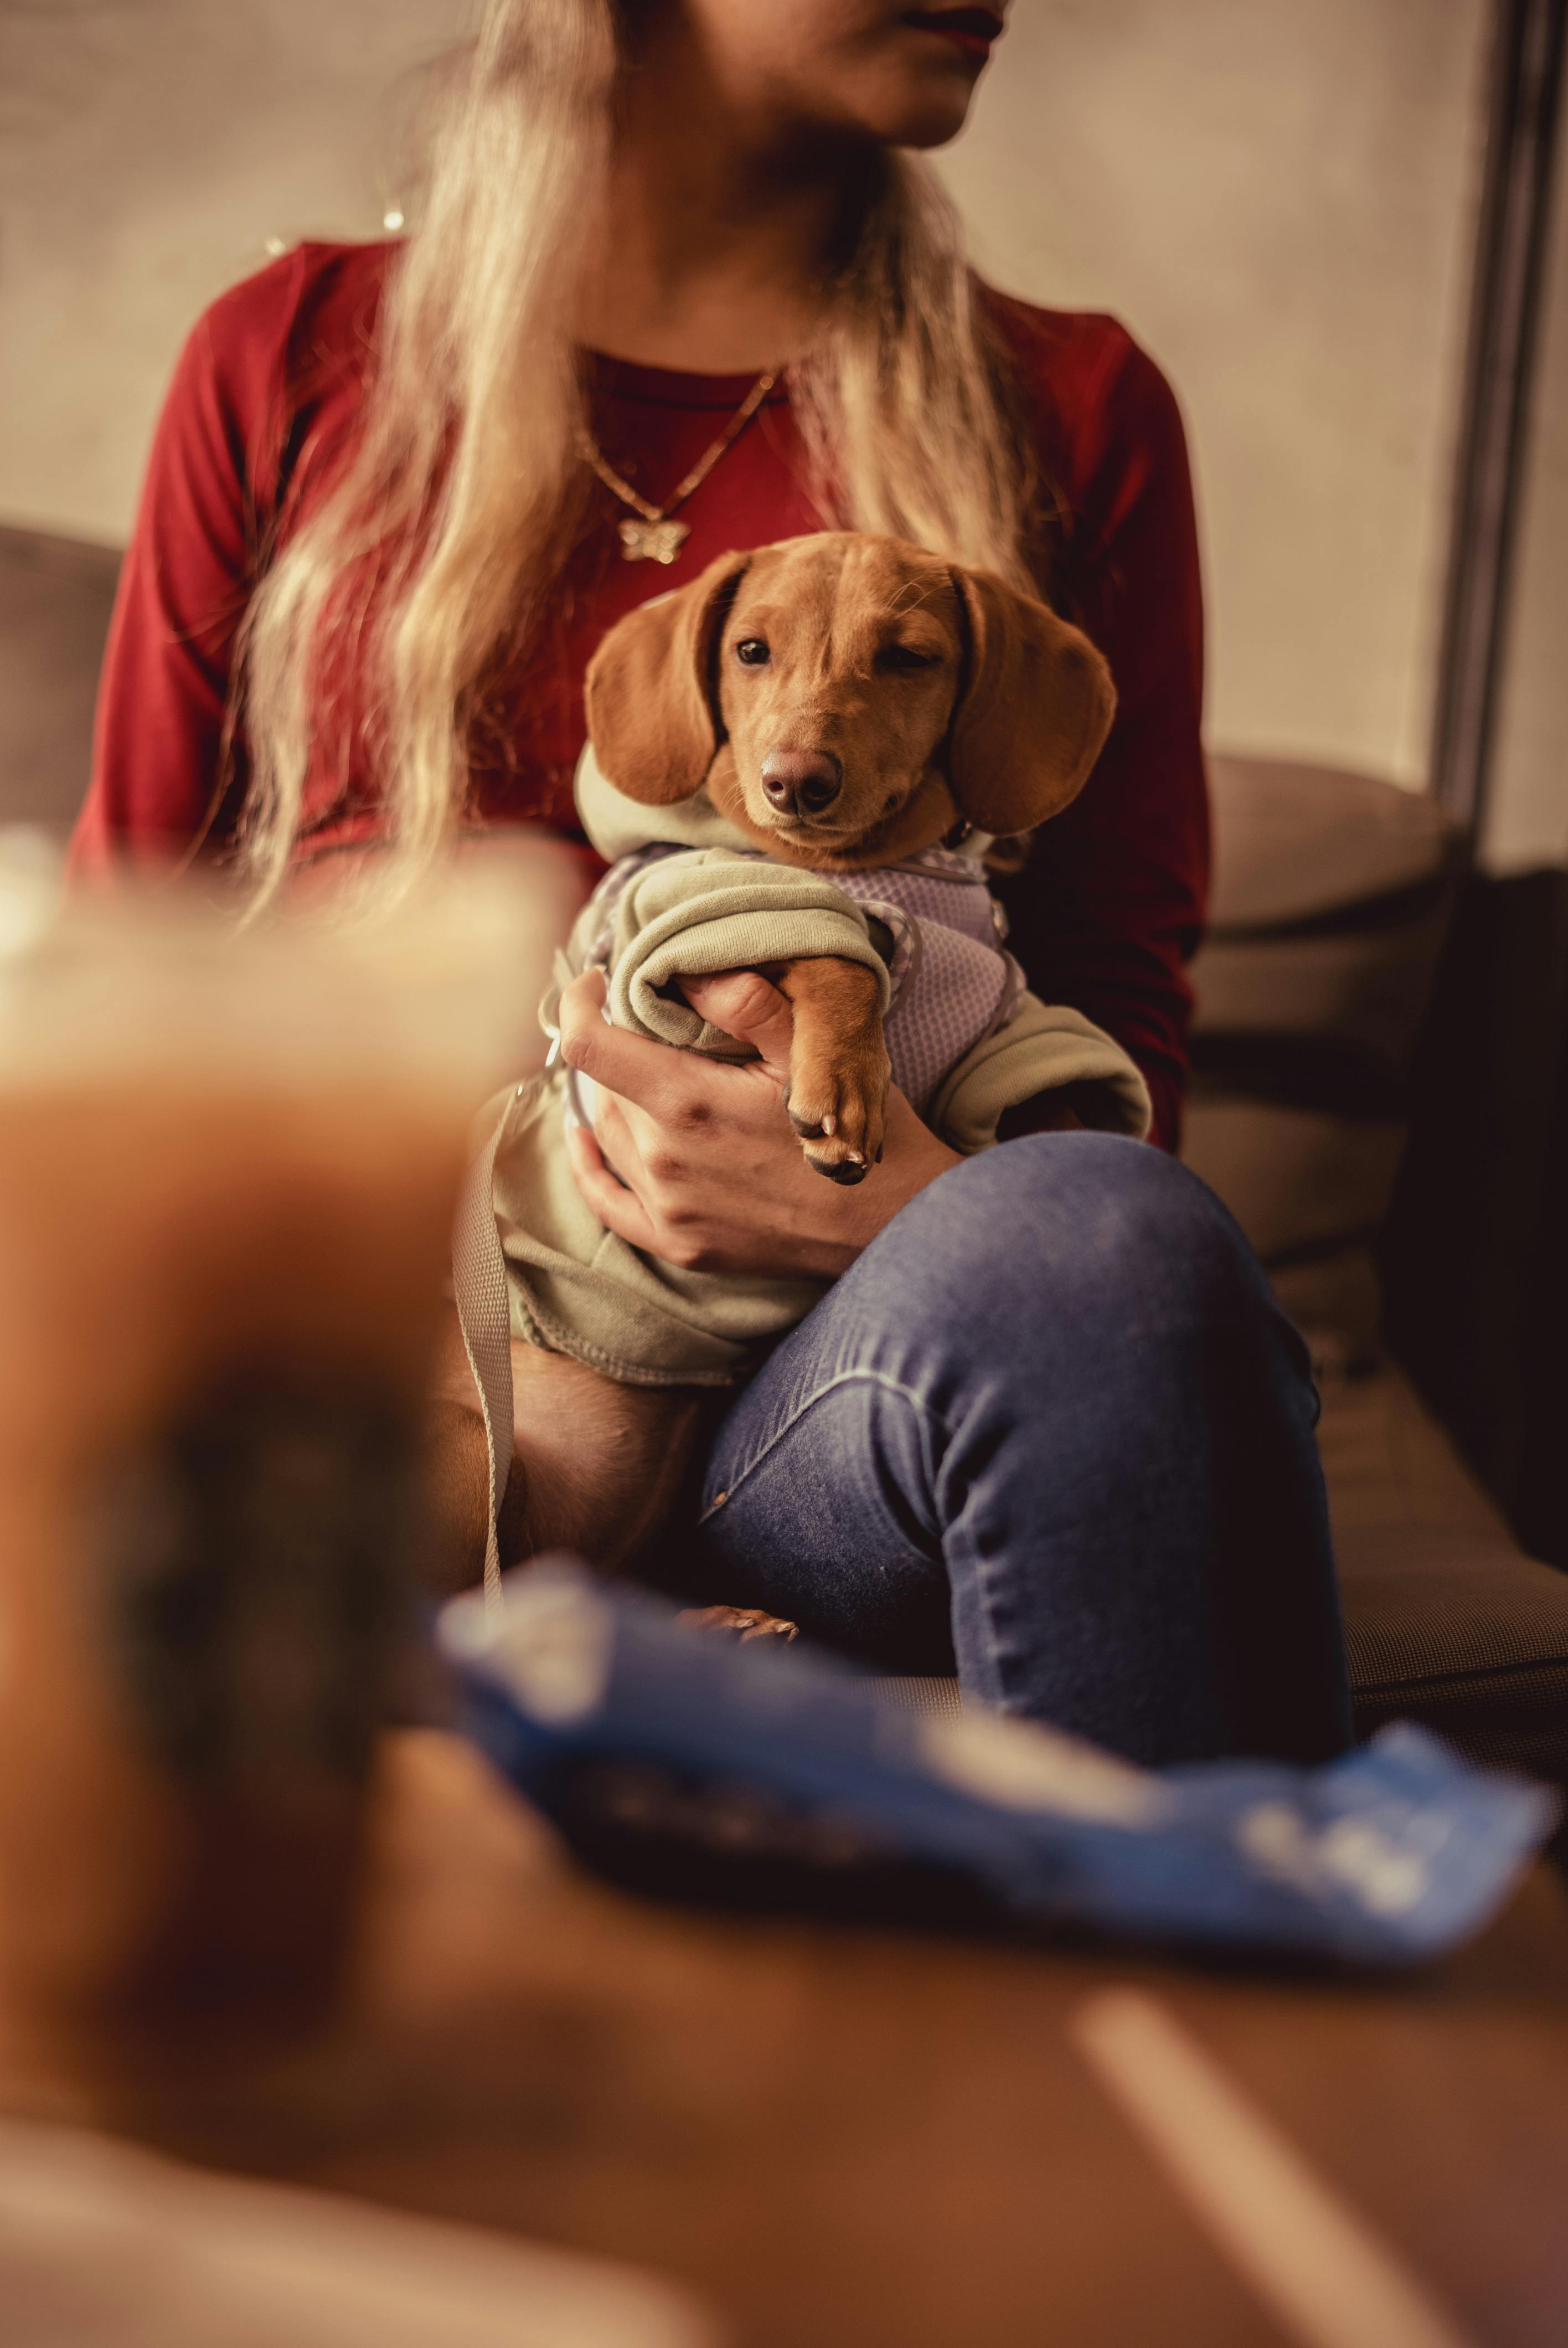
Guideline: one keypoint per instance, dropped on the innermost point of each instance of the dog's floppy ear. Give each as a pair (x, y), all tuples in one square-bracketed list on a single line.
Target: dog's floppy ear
[(649, 689), (1033, 710)]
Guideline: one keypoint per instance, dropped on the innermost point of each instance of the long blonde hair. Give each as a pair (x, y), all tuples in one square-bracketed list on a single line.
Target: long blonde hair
[(430, 559)]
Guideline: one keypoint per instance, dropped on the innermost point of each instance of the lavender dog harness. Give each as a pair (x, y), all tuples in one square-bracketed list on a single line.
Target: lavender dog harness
[(954, 982), (931, 921)]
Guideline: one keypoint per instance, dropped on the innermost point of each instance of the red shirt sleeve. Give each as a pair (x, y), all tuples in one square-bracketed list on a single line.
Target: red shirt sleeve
[(1109, 908), (164, 778)]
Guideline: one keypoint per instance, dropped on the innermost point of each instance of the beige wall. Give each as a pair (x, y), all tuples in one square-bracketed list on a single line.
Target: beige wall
[(148, 149), (1527, 814), (1275, 196)]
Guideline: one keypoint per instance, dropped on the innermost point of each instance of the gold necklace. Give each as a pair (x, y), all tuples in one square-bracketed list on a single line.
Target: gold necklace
[(655, 538)]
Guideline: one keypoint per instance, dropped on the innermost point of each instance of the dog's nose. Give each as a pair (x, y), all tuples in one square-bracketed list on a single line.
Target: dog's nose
[(802, 782)]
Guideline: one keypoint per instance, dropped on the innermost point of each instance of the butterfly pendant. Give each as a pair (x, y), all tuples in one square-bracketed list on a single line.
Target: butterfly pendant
[(652, 541)]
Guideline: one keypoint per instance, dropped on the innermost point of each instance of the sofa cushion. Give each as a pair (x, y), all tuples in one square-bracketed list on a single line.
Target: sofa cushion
[(1330, 902), (1458, 1628), (1331, 899), (56, 597), (1300, 1181), (938, 1699), (1335, 1012), (1296, 845), (1447, 1621)]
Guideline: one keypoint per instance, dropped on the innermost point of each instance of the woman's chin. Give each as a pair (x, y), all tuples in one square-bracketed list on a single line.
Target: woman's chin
[(912, 92), (926, 115), (929, 131)]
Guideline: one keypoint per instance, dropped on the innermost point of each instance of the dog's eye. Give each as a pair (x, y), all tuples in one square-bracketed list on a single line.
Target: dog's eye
[(904, 659), (752, 652)]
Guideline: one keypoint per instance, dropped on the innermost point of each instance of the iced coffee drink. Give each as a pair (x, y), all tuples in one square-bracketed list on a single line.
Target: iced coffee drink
[(228, 1166)]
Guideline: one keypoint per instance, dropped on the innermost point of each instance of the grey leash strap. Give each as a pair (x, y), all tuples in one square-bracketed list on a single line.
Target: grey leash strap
[(485, 1317)]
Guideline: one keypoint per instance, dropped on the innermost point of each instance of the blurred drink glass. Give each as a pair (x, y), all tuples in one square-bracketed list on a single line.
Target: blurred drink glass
[(228, 1166)]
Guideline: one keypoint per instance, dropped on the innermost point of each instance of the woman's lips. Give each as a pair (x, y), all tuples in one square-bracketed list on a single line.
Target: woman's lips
[(970, 29)]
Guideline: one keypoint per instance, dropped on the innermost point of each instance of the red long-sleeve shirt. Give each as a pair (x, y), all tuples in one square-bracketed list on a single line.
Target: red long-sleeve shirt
[(267, 396)]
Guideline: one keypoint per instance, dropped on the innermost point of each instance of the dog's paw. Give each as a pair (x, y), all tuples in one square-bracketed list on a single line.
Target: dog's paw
[(839, 1110), (741, 1623)]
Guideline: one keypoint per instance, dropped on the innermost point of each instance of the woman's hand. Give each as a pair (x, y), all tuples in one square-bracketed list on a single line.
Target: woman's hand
[(713, 1176)]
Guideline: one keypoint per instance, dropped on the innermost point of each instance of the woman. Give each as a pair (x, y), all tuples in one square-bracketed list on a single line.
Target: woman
[(681, 287)]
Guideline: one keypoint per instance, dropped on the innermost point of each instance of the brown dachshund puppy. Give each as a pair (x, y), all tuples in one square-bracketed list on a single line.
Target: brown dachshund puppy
[(847, 702)]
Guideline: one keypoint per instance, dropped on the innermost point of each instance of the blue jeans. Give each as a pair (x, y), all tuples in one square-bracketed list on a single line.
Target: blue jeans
[(1052, 1424)]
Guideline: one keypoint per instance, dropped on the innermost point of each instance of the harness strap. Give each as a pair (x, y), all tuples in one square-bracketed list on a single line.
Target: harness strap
[(485, 1317)]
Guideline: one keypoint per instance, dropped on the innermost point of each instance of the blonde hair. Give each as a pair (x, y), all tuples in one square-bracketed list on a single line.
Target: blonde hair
[(430, 559)]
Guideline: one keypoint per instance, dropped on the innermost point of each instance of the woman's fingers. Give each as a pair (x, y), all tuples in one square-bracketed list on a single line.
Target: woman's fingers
[(658, 1076), (633, 1066), (618, 1209), (744, 1004)]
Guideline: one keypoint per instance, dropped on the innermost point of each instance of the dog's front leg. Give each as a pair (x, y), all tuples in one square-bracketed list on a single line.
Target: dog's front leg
[(838, 1066)]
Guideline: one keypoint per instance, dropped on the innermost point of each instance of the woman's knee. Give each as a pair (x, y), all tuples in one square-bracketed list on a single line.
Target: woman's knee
[(1069, 1228)]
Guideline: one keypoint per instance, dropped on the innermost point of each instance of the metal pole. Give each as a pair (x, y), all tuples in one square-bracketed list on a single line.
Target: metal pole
[(1526, 89)]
